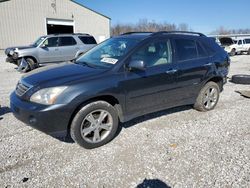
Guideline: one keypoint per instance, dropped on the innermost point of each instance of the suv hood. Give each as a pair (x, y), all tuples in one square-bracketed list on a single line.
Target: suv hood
[(7, 51), (56, 75), (226, 41)]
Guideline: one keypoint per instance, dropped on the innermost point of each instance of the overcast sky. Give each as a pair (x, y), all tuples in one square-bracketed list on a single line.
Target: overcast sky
[(201, 15)]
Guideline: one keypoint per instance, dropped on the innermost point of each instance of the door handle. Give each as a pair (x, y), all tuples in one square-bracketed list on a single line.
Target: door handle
[(171, 71), (207, 64)]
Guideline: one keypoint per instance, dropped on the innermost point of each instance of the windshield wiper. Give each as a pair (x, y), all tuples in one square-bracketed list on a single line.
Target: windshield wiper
[(85, 64)]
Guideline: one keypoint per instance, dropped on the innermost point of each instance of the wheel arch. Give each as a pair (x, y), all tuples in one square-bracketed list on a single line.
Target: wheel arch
[(79, 53), (107, 98), (29, 56), (216, 79)]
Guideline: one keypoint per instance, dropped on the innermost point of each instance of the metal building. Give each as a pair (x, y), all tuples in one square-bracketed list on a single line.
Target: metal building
[(22, 21)]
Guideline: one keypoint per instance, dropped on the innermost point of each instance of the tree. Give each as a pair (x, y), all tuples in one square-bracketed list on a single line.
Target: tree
[(144, 25)]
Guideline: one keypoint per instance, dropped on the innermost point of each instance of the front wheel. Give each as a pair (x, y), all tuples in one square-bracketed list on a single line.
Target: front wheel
[(94, 125), (208, 97), (26, 65), (248, 52)]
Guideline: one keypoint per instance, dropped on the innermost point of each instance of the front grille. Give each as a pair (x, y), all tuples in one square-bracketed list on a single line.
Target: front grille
[(21, 89)]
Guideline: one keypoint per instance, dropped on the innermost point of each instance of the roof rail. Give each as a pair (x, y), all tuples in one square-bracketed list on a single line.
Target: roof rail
[(137, 32), (179, 32), (80, 34), (166, 32)]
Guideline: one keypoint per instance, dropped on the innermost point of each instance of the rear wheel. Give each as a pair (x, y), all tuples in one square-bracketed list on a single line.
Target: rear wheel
[(94, 125), (233, 52), (208, 97)]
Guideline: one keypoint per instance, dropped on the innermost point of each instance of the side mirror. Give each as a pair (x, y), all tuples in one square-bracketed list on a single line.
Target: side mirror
[(137, 65)]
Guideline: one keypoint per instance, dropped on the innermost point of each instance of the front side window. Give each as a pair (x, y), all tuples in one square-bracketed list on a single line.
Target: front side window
[(67, 41), (108, 53), (51, 42), (155, 53), (240, 42), (186, 49), (38, 41)]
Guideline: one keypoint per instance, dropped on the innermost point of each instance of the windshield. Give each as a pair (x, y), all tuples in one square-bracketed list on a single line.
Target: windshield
[(38, 41), (108, 53)]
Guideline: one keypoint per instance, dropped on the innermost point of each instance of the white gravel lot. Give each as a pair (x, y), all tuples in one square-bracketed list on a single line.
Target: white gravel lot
[(177, 148)]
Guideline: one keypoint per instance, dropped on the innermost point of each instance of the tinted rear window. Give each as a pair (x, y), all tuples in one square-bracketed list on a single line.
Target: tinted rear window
[(186, 49), (67, 41), (87, 40), (201, 51), (210, 46)]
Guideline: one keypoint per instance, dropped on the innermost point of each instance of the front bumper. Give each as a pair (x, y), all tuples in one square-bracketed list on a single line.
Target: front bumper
[(10, 59), (52, 120)]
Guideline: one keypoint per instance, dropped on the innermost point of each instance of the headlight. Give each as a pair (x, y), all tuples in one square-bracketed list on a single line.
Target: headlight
[(47, 96), (15, 55), (11, 52)]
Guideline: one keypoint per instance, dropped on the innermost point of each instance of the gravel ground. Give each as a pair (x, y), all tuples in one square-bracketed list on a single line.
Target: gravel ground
[(177, 148)]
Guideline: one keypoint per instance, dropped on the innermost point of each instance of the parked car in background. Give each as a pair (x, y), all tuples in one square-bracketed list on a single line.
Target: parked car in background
[(50, 48), (234, 47), (120, 79)]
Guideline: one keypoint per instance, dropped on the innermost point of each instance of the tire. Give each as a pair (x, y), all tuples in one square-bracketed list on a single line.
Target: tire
[(208, 97), (241, 79), (233, 52), (248, 52), (96, 118), (32, 63)]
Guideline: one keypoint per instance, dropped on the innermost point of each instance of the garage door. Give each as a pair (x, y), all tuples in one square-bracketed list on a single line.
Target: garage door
[(56, 26)]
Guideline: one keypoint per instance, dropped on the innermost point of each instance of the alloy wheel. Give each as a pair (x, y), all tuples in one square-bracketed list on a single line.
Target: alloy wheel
[(96, 126), (210, 98)]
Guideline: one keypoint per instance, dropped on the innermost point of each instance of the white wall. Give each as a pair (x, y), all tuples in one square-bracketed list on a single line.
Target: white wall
[(22, 21)]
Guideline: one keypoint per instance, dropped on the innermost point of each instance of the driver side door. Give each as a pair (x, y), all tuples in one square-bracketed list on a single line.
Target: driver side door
[(49, 51)]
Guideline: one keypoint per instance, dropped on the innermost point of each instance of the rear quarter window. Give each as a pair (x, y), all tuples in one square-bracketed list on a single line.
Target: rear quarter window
[(201, 51), (87, 40), (210, 46)]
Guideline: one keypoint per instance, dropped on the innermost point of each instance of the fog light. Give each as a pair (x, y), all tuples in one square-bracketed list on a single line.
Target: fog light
[(32, 120)]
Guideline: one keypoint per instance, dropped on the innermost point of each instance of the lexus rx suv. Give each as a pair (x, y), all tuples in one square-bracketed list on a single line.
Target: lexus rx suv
[(49, 48), (122, 78)]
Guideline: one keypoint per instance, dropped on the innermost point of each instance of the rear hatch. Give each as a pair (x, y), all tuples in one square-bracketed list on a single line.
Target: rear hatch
[(226, 41)]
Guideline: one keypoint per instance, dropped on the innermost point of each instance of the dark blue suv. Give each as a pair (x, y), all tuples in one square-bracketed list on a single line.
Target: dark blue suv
[(122, 78)]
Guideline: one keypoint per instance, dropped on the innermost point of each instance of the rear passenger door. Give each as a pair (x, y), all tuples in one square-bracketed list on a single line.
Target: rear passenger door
[(194, 63), (68, 48)]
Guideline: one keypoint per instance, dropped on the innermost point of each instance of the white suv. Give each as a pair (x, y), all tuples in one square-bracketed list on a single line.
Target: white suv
[(233, 47)]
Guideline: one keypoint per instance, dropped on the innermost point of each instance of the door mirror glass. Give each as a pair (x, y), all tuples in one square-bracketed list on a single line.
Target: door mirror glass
[(137, 65)]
